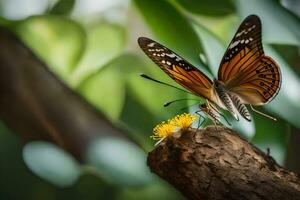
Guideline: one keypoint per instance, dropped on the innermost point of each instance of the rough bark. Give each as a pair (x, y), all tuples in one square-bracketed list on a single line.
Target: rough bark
[(216, 163)]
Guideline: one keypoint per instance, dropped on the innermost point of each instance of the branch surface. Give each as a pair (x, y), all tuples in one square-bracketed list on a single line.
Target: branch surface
[(216, 163)]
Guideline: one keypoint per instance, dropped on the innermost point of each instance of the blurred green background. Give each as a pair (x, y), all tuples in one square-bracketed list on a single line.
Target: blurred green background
[(92, 46)]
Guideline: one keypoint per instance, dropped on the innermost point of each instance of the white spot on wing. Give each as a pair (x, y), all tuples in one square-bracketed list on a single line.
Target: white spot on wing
[(151, 44), (240, 33), (234, 44), (171, 55)]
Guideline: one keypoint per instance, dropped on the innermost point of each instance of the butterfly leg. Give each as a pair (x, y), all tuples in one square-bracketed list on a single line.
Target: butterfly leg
[(209, 105), (263, 114), (200, 117), (215, 123)]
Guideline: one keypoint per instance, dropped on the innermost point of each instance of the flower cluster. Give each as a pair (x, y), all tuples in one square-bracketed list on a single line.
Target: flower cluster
[(183, 121), (179, 122)]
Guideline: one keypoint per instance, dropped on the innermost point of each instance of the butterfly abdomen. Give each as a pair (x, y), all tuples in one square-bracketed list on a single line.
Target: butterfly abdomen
[(240, 107), (224, 100)]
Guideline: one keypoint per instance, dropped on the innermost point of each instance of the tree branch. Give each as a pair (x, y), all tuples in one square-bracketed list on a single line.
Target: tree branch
[(216, 163)]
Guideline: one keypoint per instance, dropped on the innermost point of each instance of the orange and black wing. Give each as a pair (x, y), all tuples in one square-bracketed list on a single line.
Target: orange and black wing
[(177, 68), (245, 69)]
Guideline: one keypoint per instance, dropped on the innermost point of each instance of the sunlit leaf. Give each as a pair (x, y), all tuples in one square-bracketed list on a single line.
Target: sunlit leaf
[(208, 7), (104, 43), (141, 123), (105, 90), (51, 163), (119, 162), (58, 41)]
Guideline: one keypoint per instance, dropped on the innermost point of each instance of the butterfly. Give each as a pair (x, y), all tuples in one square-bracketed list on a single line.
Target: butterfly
[(246, 75)]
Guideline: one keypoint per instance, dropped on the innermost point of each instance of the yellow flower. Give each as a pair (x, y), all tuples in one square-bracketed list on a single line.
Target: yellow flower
[(166, 129), (183, 121), (163, 130)]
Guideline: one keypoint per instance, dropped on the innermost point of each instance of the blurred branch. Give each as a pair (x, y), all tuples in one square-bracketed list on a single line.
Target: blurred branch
[(38, 106), (218, 164)]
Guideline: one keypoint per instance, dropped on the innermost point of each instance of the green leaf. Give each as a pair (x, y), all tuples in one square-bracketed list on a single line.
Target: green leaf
[(104, 43), (105, 90), (63, 7), (51, 163), (119, 162), (56, 40), (171, 28), (208, 7), (279, 26), (141, 123), (291, 54), (213, 48), (157, 190)]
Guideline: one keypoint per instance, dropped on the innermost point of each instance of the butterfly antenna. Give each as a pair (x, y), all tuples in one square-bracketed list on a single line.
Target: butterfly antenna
[(157, 81), (171, 102), (263, 114)]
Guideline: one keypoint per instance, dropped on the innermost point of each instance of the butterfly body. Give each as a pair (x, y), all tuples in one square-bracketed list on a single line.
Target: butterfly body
[(210, 113), (229, 101), (222, 98), (246, 75)]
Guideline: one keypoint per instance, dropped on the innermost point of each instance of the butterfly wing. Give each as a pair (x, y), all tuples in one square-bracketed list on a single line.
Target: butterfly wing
[(245, 70), (177, 68)]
